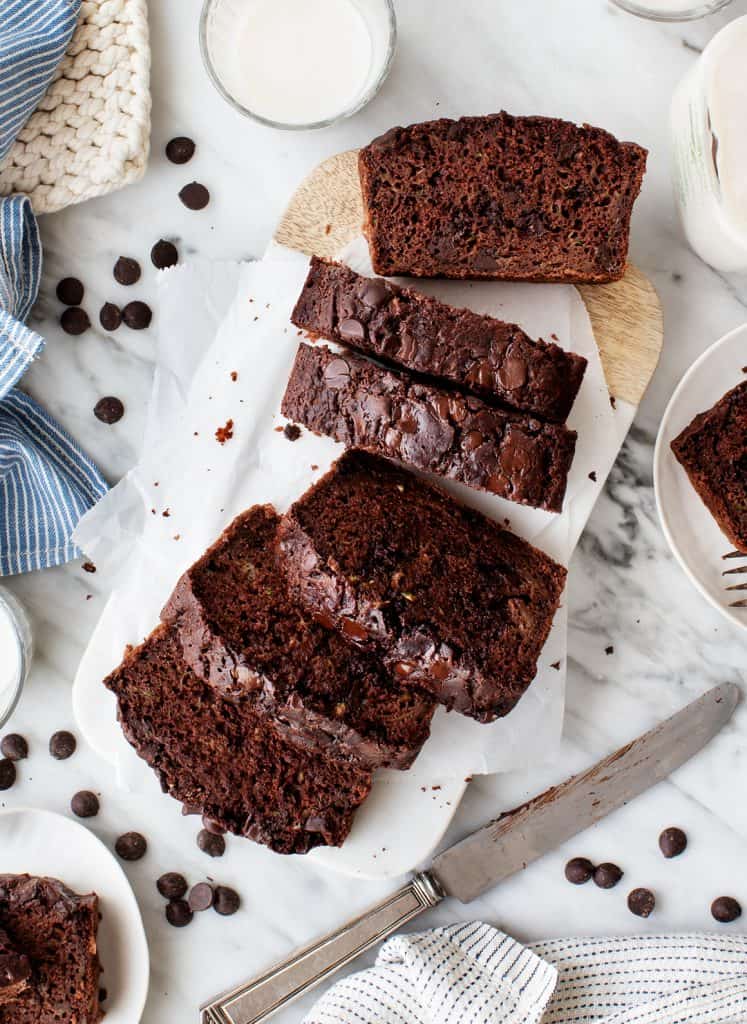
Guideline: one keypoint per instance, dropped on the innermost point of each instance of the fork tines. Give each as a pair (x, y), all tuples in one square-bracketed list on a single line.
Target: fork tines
[(737, 570)]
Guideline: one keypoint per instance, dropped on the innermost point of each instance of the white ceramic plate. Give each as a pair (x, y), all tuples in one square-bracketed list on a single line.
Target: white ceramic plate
[(697, 542), (42, 843)]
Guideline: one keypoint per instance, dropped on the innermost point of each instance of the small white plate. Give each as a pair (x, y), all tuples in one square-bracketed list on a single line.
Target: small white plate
[(696, 541), (42, 843)]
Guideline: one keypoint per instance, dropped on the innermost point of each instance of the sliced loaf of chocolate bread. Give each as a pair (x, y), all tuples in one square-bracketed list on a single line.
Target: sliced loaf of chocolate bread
[(490, 358), (452, 602), (241, 632), (56, 928), (15, 969), (226, 757), (515, 198), (456, 436)]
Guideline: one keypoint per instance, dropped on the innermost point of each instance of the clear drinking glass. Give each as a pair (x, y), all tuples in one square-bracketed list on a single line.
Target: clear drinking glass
[(671, 10), (15, 653), (219, 33)]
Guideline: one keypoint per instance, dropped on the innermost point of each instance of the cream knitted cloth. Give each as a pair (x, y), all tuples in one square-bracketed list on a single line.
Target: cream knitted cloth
[(90, 133)]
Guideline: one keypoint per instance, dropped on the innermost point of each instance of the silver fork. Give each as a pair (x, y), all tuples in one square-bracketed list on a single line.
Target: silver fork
[(737, 570)]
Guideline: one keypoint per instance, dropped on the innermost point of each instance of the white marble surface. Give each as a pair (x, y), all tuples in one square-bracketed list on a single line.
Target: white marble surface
[(580, 59)]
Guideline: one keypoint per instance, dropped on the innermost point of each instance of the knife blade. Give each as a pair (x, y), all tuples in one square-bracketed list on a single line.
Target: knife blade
[(519, 837), (489, 855)]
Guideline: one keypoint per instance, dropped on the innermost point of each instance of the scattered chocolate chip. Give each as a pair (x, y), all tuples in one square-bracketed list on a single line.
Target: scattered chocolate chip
[(609, 650), (672, 842), (556, 666), (593, 476), (85, 804), (607, 875), (164, 254), (14, 747), (172, 885), (131, 846), (211, 844), (579, 870), (178, 913), (88, 567), (110, 316), (74, 320), (726, 909), (223, 434), (7, 773), (62, 745), (292, 431), (109, 409), (613, 401), (212, 826), (201, 897), (126, 271), (180, 150), (227, 901), (195, 196), (103, 995), (137, 315), (70, 291), (641, 902)]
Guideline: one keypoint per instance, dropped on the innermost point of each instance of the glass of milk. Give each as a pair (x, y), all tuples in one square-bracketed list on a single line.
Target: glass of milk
[(709, 138), (671, 10), (15, 653), (297, 64)]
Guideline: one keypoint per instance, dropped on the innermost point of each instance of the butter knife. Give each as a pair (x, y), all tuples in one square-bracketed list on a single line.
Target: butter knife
[(494, 852)]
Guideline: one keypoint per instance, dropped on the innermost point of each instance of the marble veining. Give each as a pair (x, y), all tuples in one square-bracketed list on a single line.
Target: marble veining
[(581, 59)]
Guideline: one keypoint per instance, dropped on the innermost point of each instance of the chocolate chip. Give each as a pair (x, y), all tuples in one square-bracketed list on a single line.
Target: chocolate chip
[(62, 745), (641, 902), (109, 409), (351, 330), (374, 294), (137, 315), (74, 321), (513, 373), (103, 995), (70, 291), (88, 567), (172, 885), (14, 747), (212, 826), (227, 901), (201, 897), (292, 431), (127, 271), (188, 809), (607, 875), (336, 373), (211, 844), (195, 196), (164, 254), (85, 804), (726, 909), (131, 846), (7, 773), (672, 842), (579, 870), (178, 913), (180, 150), (110, 316)]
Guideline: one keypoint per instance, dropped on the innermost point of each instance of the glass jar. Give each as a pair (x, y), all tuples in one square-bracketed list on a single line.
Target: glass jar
[(709, 136), (297, 65), (15, 653), (671, 10)]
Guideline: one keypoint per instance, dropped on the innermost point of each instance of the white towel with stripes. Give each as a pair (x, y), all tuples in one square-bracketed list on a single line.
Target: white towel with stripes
[(473, 974)]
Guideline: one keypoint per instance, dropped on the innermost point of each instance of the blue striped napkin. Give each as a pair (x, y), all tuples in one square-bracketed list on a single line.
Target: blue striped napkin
[(46, 481)]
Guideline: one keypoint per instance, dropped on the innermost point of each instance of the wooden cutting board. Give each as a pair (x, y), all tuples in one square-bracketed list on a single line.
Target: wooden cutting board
[(326, 212)]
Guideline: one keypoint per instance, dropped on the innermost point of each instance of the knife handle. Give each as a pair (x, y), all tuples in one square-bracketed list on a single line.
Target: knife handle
[(263, 995)]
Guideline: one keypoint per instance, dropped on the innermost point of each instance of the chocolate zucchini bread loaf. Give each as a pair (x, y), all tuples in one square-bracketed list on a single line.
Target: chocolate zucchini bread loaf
[(227, 758), (56, 929), (490, 358), (452, 602), (15, 969), (515, 198), (356, 401), (240, 631), (713, 452)]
